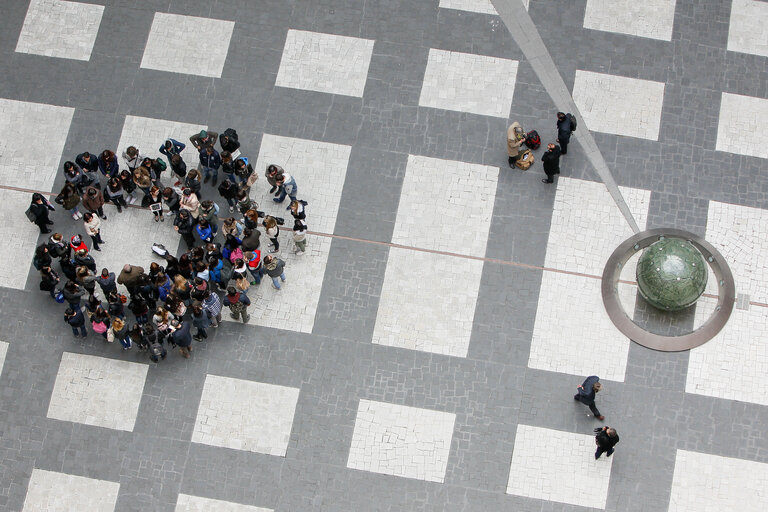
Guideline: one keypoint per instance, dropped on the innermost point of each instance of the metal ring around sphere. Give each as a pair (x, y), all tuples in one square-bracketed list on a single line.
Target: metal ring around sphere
[(726, 296)]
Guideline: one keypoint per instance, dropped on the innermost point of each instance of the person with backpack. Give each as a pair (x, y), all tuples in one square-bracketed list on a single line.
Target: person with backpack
[(605, 439), (275, 268), (566, 124), (238, 304), (153, 343), (228, 140)]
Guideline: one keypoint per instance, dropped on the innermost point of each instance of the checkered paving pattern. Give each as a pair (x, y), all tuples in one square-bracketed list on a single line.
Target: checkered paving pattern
[(391, 374)]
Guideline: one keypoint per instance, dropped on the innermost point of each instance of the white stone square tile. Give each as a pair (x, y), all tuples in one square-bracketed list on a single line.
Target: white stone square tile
[(49, 490), (619, 105), (148, 134), (652, 18), (587, 226), (748, 31), (55, 28), (402, 441), (189, 503), (319, 168), (739, 233), (128, 238), (187, 44), (428, 302), (461, 195), (465, 82), (325, 63), (15, 226), (740, 119), (559, 466), (704, 482), (480, 6), (97, 391), (572, 329), (294, 306), (20, 167), (245, 415), (3, 353), (733, 365)]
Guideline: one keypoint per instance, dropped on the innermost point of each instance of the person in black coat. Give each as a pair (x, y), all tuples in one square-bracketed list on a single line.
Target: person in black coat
[(76, 320), (564, 129), (551, 161), (228, 191), (605, 439), (40, 208), (181, 336), (185, 225), (48, 280), (586, 394)]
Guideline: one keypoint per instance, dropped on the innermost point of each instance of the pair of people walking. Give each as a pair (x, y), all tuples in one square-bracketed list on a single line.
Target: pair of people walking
[(605, 437)]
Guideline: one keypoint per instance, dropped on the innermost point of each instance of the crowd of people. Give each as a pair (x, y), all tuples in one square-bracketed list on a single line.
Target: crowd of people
[(223, 258)]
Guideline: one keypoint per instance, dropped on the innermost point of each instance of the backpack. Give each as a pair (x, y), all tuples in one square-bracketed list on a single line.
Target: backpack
[(525, 161), (532, 139), (572, 119), (231, 133)]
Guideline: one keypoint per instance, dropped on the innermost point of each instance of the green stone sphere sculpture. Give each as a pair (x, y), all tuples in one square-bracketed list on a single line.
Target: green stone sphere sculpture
[(671, 274)]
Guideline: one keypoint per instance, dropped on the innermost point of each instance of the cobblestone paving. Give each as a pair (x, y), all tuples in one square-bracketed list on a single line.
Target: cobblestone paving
[(389, 377)]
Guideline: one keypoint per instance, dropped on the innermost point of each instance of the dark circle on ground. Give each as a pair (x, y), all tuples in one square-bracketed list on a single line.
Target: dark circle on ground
[(640, 241), (671, 274)]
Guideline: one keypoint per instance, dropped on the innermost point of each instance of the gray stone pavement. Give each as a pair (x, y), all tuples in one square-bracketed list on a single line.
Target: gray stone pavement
[(491, 391)]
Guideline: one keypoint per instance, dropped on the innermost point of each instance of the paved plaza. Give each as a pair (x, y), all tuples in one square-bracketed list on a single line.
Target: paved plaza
[(424, 352)]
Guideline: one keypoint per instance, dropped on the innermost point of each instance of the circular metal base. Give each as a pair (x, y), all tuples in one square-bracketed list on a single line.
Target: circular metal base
[(725, 298)]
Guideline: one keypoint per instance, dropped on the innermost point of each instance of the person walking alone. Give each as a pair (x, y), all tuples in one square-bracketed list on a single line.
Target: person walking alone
[(605, 439), (586, 394)]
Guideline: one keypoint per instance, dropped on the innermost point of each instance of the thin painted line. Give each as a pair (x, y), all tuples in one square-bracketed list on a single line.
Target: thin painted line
[(508, 263)]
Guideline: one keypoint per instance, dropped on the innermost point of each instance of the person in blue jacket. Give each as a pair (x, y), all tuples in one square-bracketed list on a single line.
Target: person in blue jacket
[(586, 394), (108, 164), (204, 231), (171, 147)]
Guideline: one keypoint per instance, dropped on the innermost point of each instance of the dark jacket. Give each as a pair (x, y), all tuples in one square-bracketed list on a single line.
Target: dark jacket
[(173, 202), (182, 336), (176, 148), (202, 321), (551, 161), (251, 242), (111, 169), (213, 160), (185, 224), (92, 165), (564, 128), (604, 441), (107, 284), (586, 391), (228, 189), (73, 297), (76, 320), (40, 211)]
